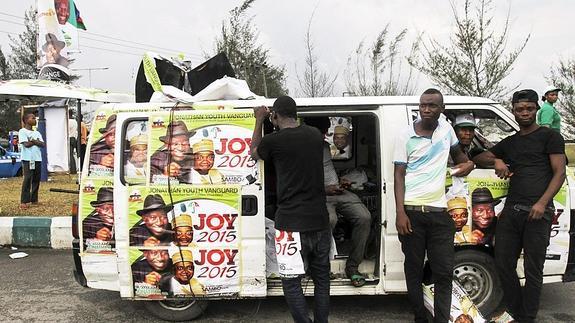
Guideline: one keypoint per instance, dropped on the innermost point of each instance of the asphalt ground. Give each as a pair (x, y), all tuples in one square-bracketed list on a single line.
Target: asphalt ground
[(41, 288)]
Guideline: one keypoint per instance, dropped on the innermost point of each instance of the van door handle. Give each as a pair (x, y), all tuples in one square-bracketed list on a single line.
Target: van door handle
[(249, 205)]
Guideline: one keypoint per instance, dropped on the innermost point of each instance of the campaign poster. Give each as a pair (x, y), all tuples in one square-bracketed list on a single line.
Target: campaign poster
[(101, 149), (184, 242), (463, 310), (136, 155), (202, 148), (97, 214)]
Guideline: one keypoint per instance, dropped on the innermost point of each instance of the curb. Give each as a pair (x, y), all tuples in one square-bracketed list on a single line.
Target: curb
[(40, 232)]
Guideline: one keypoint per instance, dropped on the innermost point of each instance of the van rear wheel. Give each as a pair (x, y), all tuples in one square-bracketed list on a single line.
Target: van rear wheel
[(176, 310), (476, 273)]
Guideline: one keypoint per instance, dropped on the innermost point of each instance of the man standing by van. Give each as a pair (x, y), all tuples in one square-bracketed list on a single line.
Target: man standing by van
[(422, 221), (296, 153), (536, 159)]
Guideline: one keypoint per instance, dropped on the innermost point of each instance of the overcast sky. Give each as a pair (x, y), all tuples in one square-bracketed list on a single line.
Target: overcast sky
[(338, 26)]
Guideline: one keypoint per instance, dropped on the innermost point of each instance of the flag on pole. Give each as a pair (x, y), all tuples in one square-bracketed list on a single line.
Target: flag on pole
[(75, 19)]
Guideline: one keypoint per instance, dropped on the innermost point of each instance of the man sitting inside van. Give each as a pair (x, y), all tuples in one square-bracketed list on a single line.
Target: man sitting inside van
[(341, 201), (464, 127)]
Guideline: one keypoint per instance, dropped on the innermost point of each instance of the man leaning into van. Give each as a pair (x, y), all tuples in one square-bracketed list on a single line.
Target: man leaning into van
[(296, 152), (423, 224)]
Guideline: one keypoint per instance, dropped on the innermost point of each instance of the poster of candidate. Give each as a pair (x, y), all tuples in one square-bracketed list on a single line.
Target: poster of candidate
[(97, 214), (203, 148), (184, 243), (101, 149)]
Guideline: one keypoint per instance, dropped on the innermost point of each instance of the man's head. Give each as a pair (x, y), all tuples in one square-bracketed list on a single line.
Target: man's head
[(321, 123), (109, 131), (29, 119), (464, 126), (157, 259), (138, 149), (183, 230), (340, 134), (183, 261), (483, 205), (62, 11), (284, 108), (525, 106), (431, 105), (104, 205), (177, 139), (203, 156), (154, 214), (457, 208), (551, 94)]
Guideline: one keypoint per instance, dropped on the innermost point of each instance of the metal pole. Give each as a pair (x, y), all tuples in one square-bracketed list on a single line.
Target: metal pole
[(42, 129), (265, 84)]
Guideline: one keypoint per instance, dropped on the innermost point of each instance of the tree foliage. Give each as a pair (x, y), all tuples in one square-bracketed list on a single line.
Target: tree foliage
[(376, 70), (477, 60), (563, 77), (22, 60), (314, 82), (250, 60), (4, 69)]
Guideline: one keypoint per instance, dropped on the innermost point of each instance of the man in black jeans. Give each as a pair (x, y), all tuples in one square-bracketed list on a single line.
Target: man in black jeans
[(422, 221), (296, 153), (534, 160)]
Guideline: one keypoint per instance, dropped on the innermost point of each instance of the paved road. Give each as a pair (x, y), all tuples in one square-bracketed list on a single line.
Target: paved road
[(41, 288)]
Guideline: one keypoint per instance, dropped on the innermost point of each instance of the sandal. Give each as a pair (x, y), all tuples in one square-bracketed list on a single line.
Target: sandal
[(357, 280)]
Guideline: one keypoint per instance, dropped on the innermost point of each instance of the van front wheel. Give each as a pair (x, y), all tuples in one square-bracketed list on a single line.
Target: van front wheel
[(476, 273), (176, 310)]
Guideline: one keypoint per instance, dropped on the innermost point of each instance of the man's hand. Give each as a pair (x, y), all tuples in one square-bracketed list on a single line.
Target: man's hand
[(261, 112), (402, 223), (104, 234), (501, 169), (174, 169), (345, 183), (152, 278), (107, 161), (477, 235), (333, 190), (463, 169), (537, 211)]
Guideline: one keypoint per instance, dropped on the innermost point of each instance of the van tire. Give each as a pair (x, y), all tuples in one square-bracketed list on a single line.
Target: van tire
[(176, 310), (476, 273)]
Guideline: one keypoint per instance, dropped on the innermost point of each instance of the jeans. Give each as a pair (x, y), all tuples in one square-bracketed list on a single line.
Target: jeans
[(515, 233), (315, 246), (432, 232), (353, 210), (31, 182)]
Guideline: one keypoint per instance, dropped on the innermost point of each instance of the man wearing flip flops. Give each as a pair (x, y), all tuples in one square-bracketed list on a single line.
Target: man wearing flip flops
[(422, 221)]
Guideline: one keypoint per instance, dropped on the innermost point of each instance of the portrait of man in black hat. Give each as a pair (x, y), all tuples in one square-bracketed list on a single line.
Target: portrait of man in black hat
[(99, 224), (102, 151), (151, 266), (154, 222), (52, 50), (174, 159), (483, 215)]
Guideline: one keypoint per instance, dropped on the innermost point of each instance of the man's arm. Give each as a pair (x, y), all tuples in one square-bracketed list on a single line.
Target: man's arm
[(488, 160), (261, 113), (558, 168), (463, 165), (402, 223)]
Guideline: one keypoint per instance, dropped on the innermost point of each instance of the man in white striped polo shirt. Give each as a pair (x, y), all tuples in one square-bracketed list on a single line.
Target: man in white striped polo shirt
[(422, 221)]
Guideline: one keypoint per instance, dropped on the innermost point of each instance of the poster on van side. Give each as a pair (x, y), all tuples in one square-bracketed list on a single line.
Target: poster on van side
[(184, 216), (202, 148), (192, 272), (487, 196), (462, 308), (101, 147), (97, 214)]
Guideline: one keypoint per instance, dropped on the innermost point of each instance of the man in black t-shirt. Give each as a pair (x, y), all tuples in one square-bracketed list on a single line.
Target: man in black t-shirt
[(296, 153), (534, 160)]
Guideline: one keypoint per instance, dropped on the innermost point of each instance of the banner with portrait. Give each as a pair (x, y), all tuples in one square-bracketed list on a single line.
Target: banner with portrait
[(101, 147), (184, 242), (202, 148), (97, 215)]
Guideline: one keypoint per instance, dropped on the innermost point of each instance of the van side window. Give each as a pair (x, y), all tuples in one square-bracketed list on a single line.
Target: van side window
[(135, 152), (339, 137)]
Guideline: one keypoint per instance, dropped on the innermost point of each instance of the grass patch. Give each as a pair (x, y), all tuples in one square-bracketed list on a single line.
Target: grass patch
[(51, 203)]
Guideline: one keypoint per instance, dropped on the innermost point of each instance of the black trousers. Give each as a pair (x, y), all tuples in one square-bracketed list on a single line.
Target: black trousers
[(31, 182), (71, 158), (515, 233), (315, 247), (432, 232)]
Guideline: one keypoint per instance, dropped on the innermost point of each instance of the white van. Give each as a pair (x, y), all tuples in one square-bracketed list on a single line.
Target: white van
[(172, 210)]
